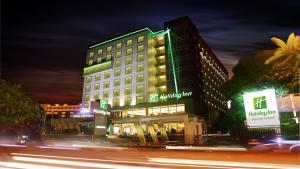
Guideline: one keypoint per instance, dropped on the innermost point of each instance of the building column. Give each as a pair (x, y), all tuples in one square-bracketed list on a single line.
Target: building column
[(188, 131), (153, 134), (140, 133)]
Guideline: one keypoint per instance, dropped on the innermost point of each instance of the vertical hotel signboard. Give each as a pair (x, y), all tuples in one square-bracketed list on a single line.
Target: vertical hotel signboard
[(261, 109)]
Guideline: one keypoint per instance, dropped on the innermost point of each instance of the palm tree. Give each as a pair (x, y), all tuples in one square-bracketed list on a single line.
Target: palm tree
[(288, 53)]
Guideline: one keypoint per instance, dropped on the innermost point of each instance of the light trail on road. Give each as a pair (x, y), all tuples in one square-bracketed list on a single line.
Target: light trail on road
[(76, 163), (223, 163)]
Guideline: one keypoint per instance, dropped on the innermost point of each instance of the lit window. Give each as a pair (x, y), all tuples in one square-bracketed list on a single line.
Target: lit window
[(116, 92), (128, 80), (97, 77), (140, 78), (140, 67), (129, 42), (119, 45), (106, 84), (140, 38), (99, 60), (127, 91), (140, 89), (106, 94), (139, 99), (128, 60), (88, 79), (86, 105), (108, 57), (140, 48), (91, 54), (117, 72), (91, 62), (109, 48), (116, 102), (96, 96), (106, 75), (97, 86), (140, 57), (118, 54), (87, 97), (128, 70), (117, 82), (127, 100), (100, 51), (129, 51), (88, 88), (118, 63)]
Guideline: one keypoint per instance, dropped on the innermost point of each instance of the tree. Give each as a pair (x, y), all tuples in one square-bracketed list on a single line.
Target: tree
[(287, 53), (18, 112), (285, 63)]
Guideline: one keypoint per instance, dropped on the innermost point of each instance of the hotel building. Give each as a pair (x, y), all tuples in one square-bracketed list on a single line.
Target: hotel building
[(166, 81)]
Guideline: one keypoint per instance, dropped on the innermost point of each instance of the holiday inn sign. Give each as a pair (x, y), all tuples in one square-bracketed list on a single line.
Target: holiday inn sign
[(155, 97), (261, 109)]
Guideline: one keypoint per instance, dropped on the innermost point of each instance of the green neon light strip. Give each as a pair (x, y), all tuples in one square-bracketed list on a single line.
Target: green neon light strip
[(162, 32), (172, 60), (128, 34)]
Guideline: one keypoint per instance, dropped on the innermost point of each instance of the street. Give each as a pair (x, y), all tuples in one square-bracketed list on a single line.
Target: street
[(51, 157)]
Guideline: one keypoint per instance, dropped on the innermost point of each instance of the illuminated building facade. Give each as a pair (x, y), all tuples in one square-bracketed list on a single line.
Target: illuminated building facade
[(169, 74)]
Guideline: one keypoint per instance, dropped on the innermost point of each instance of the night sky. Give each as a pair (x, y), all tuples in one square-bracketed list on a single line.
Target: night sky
[(44, 43)]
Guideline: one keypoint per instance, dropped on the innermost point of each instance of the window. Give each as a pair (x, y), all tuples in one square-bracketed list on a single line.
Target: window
[(88, 88), (91, 62), (127, 100), (116, 102), (140, 48), (139, 99), (97, 86), (96, 96), (86, 105), (140, 67), (141, 39), (109, 48), (117, 72), (140, 78), (127, 91), (91, 54), (99, 60), (118, 54), (140, 89), (87, 97), (117, 82), (119, 45), (129, 51), (106, 75), (128, 60), (100, 51), (129, 42), (140, 57), (118, 63), (97, 77), (128, 80), (88, 79), (106, 84), (128, 70), (117, 92), (108, 57), (105, 94)]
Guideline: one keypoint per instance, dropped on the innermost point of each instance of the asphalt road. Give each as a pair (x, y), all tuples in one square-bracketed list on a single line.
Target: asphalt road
[(140, 158)]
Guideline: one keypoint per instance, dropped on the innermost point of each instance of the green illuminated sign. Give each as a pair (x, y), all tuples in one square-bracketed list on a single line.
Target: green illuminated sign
[(155, 97), (260, 102), (103, 104), (261, 108)]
